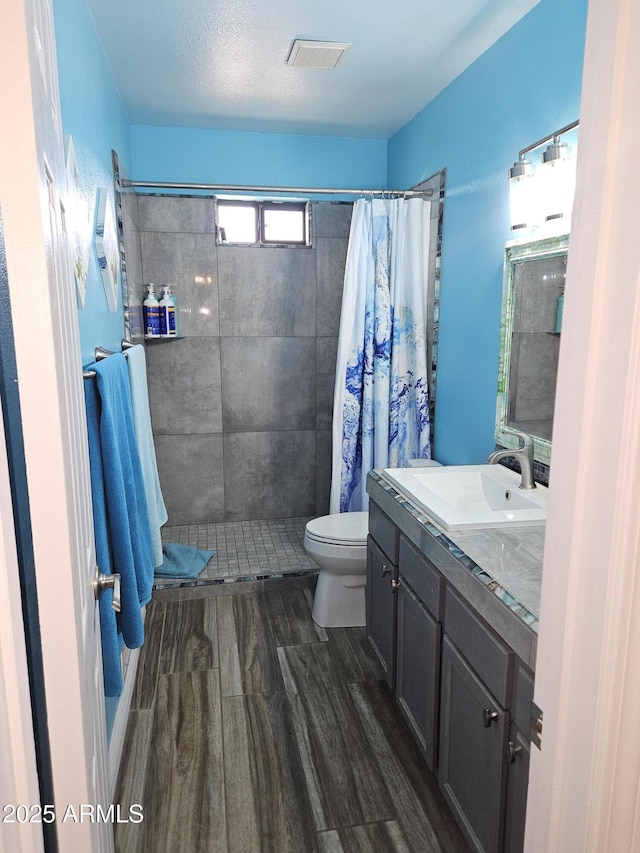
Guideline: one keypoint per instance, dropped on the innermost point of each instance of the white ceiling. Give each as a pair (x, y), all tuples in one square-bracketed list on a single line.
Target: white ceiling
[(221, 63)]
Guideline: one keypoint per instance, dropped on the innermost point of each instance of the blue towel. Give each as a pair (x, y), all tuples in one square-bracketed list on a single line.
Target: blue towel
[(111, 667), (126, 506), (136, 362), (183, 561)]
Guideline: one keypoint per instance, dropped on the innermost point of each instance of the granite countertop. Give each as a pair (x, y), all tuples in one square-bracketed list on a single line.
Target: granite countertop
[(494, 568)]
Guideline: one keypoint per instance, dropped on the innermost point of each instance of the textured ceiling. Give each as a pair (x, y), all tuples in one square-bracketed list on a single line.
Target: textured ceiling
[(221, 63)]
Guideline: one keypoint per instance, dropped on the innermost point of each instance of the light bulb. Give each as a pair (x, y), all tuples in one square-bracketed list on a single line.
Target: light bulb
[(558, 180), (523, 195)]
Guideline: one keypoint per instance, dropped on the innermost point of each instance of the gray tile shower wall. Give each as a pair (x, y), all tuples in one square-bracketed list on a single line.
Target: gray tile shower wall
[(269, 474), (267, 292), (268, 384), (241, 403), (184, 386)]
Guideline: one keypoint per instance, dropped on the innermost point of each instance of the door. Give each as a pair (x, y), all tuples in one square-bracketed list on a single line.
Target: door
[(381, 608), (418, 670), (473, 741), (49, 376)]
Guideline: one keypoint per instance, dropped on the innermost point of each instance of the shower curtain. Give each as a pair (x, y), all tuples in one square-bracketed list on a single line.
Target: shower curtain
[(381, 402)]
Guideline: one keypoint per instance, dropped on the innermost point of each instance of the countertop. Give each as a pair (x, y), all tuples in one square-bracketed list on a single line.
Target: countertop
[(498, 570)]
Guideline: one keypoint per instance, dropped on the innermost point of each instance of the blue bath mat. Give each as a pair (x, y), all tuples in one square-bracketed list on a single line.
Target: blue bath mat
[(182, 561)]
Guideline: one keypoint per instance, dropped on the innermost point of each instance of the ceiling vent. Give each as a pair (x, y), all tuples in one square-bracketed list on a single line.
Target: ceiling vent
[(316, 54)]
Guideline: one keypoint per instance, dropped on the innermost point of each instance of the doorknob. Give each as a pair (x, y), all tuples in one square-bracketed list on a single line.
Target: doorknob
[(103, 582)]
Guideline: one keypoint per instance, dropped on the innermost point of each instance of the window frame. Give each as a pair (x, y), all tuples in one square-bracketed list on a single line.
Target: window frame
[(259, 206)]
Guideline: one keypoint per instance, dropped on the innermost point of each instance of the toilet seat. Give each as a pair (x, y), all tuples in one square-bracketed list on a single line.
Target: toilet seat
[(347, 529)]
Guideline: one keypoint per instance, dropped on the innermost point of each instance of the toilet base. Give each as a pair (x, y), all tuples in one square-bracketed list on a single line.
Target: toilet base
[(339, 601)]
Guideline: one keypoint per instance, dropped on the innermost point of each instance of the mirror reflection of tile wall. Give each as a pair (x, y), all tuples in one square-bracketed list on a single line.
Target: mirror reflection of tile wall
[(535, 344), (530, 331)]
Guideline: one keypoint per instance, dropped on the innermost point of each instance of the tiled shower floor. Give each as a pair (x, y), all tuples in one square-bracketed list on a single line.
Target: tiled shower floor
[(247, 550)]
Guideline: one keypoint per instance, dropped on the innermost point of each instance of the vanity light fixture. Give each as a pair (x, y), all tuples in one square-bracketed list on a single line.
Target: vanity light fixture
[(543, 194)]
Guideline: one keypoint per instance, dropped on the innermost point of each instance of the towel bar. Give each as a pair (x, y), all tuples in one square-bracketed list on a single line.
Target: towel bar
[(102, 352)]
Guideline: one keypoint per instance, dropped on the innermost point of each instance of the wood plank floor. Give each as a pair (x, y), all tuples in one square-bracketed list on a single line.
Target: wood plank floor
[(254, 731)]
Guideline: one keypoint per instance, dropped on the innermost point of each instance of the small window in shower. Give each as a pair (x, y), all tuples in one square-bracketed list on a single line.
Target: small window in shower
[(237, 222), (284, 223), (262, 223)]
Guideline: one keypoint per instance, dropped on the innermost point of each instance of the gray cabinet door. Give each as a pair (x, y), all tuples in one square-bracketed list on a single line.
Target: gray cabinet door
[(381, 608), (472, 759), (518, 755), (418, 670)]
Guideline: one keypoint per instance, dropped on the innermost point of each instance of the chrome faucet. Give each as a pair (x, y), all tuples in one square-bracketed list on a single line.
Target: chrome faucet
[(524, 455)]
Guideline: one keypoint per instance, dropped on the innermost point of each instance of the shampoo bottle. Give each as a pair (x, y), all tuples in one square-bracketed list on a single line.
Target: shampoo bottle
[(167, 315), (151, 311), (175, 308)]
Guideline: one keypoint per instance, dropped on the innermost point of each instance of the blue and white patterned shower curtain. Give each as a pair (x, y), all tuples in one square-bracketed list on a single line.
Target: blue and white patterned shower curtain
[(381, 402)]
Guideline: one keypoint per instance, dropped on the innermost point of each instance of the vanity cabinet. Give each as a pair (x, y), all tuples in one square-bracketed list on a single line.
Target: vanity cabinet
[(464, 693), (380, 590), (476, 688), (419, 638)]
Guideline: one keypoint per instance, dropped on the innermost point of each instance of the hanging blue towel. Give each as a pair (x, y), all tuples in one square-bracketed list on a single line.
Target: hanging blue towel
[(111, 667), (136, 362), (127, 515), (183, 561)]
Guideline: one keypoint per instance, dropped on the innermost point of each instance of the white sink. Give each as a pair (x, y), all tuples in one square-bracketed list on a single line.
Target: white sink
[(469, 496)]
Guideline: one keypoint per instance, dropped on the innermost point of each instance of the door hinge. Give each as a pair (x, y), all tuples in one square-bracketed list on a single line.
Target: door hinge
[(535, 726)]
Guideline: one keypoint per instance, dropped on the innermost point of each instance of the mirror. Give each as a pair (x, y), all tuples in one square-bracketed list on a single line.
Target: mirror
[(532, 302)]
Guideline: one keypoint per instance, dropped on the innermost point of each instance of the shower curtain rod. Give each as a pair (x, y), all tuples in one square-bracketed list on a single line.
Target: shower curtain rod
[(258, 189)]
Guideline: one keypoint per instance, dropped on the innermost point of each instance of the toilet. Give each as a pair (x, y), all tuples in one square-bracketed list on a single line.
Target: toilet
[(338, 544)]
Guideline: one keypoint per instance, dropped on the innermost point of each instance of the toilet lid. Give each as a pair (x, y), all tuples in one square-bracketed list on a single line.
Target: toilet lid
[(349, 527)]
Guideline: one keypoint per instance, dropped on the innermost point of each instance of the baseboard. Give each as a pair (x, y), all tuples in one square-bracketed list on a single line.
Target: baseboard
[(119, 731)]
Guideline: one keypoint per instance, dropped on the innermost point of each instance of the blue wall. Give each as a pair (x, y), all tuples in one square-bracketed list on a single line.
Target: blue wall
[(93, 115), (523, 88), (269, 159)]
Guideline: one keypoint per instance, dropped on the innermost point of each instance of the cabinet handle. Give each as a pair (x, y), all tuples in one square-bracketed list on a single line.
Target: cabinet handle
[(488, 716), (385, 569), (513, 750), (394, 585)]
